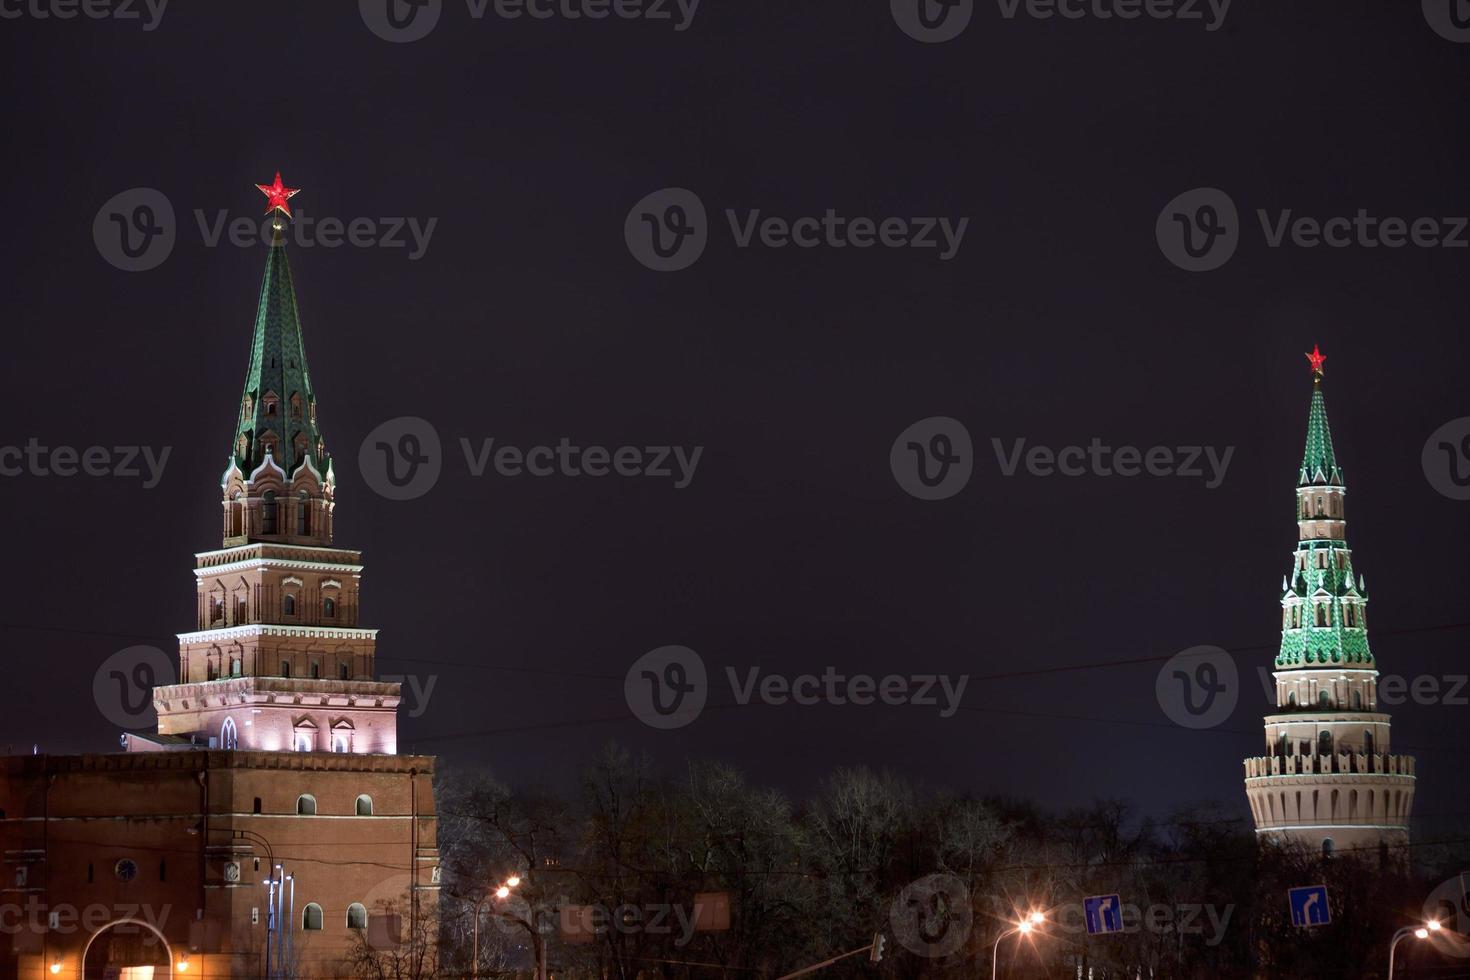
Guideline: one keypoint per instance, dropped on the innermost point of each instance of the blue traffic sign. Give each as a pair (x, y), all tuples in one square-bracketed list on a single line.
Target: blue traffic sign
[(1309, 906), (1104, 914)]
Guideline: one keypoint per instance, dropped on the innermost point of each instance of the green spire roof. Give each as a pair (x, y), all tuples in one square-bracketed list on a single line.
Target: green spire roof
[(1319, 464), (278, 407)]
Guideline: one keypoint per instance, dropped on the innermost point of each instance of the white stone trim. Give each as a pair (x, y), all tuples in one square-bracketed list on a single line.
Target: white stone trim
[(270, 629), (240, 566), (292, 580)]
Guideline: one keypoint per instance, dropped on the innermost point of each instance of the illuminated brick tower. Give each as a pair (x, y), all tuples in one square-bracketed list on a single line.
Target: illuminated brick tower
[(1329, 778), (269, 828), (277, 660)]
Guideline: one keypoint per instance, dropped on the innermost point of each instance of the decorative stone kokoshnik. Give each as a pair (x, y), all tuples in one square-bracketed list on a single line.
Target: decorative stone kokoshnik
[(1329, 778)]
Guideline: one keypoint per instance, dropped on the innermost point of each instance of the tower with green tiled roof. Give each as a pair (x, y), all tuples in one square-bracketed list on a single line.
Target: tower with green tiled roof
[(1329, 779), (277, 659), (278, 483)]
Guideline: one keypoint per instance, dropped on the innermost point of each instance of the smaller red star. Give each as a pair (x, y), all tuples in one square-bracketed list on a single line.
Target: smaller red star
[(277, 194), (1316, 358)]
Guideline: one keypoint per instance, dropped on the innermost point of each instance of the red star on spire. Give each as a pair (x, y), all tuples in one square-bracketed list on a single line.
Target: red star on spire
[(1316, 358), (277, 194)]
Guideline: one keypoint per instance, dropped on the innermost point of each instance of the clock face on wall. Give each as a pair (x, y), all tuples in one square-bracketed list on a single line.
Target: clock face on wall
[(126, 869)]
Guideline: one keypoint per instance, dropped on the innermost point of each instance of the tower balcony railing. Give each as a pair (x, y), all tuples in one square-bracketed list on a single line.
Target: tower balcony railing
[(1346, 763)]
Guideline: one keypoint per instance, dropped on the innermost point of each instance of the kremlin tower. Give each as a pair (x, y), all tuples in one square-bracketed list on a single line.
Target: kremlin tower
[(268, 828), (1329, 778)]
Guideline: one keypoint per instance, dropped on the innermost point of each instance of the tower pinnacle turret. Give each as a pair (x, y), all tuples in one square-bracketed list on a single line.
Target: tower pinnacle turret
[(1329, 778), (279, 483)]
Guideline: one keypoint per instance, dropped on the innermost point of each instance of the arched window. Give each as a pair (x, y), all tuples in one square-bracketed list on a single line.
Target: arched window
[(342, 670), (1328, 846), (316, 670), (311, 917), (356, 916), (1324, 743), (288, 605), (306, 805), (1357, 700), (303, 742), (329, 607), (303, 509), (1324, 700), (268, 513), (364, 806), (1368, 743), (340, 743), (229, 737), (1291, 699), (285, 668), (234, 666)]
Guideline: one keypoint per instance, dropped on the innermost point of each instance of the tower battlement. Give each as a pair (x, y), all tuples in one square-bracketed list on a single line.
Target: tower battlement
[(1330, 778)]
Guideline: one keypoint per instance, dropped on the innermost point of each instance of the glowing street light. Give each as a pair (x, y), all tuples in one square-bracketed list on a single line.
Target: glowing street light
[(501, 892), (1418, 932), (1024, 927), (55, 966)]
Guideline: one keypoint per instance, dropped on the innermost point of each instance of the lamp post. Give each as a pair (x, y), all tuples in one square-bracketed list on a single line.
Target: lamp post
[(270, 858), (503, 891), (1024, 927), (1419, 932)]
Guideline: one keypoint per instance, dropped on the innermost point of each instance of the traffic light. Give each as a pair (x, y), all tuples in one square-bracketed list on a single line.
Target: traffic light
[(877, 955)]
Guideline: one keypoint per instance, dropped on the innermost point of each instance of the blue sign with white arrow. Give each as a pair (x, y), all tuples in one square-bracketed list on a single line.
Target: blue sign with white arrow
[(1309, 906), (1104, 914)]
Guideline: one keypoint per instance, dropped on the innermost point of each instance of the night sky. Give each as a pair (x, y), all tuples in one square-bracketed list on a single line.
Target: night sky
[(527, 319)]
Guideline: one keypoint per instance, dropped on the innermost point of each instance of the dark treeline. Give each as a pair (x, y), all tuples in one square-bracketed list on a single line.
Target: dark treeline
[(940, 876)]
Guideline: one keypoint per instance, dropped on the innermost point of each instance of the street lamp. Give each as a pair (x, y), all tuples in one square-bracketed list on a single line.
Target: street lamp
[(1024, 927), (1418, 932), (501, 892)]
